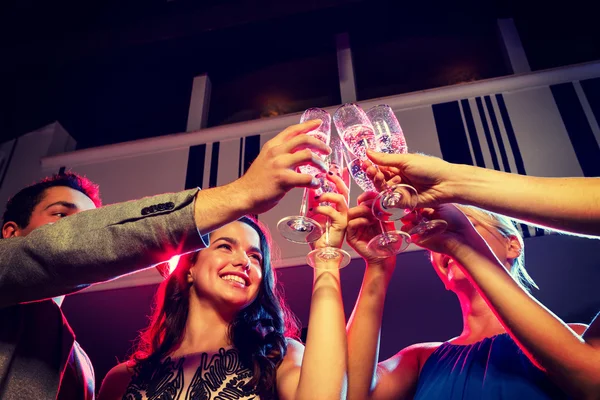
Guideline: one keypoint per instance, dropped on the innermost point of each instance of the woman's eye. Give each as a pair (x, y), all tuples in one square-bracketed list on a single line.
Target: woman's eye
[(60, 215), (224, 246), (256, 257)]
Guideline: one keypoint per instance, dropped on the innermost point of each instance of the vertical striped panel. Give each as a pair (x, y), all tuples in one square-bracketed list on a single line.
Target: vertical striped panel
[(578, 128), (195, 166), (510, 132), (464, 121), (486, 132), (497, 135), (591, 88), (589, 95), (503, 134), (207, 159), (451, 133), (214, 165), (241, 158), (494, 113), (470, 123), (477, 121), (228, 171), (251, 150)]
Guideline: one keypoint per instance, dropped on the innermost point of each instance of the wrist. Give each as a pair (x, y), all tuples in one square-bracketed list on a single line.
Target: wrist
[(458, 183), (376, 281), (383, 267), (241, 204), (327, 266), (465, 249)]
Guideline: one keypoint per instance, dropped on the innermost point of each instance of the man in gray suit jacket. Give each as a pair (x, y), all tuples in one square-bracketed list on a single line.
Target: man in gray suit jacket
[(44, 255)]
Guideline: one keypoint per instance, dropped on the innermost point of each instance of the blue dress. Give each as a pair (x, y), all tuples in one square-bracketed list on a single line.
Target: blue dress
[(492, 369)]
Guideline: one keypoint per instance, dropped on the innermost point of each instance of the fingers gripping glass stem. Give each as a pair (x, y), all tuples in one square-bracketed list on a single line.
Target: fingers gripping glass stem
[(328, 256), (300, 228)]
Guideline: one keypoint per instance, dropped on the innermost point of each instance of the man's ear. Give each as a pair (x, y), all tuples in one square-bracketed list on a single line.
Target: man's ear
[(10, 229)]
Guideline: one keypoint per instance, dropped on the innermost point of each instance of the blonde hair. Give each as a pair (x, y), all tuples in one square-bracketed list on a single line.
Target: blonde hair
[(507, 228)]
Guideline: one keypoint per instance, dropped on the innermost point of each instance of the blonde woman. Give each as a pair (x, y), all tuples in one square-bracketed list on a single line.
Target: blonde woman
[(510, 347)]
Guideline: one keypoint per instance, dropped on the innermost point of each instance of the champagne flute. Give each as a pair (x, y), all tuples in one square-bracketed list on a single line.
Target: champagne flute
[(358, 135), (336, 166), (388, 243), (300, 228), (397, 201)]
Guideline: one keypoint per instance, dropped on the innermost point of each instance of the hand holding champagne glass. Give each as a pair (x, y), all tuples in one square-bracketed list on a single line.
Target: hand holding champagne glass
[(358, 135), (300, 228), (399, 200), (336, 167)]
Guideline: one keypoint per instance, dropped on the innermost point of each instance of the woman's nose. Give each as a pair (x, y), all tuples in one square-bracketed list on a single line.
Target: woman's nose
[(243, 261)]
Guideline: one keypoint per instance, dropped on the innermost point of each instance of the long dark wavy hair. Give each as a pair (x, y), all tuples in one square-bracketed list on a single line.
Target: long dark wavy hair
[(258, 331)]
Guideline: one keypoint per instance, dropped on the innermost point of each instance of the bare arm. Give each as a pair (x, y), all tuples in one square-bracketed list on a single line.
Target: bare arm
[(95, 246), (565, 204), (397, 377), (98, 245), (319, 372), (549, 343)]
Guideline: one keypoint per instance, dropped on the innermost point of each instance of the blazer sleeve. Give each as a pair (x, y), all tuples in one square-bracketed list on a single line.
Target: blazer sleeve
[(97, 245)]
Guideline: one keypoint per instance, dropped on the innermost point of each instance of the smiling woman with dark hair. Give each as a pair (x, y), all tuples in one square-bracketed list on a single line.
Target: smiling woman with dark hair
[(221, 329)]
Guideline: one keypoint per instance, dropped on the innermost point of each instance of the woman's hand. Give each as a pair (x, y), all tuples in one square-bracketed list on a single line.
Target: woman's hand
[(431, 176), (363, 226), (336, 211), (459, 232)]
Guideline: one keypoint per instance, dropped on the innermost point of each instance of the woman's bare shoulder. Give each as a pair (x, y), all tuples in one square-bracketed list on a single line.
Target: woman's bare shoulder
[(116, 381)]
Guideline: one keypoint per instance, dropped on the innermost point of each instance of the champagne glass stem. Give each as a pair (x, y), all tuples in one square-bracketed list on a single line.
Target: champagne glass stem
[(386, 238), (304, 204), (327, 225)]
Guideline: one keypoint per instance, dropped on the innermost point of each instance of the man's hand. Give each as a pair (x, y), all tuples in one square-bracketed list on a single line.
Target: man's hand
[(273, 173)]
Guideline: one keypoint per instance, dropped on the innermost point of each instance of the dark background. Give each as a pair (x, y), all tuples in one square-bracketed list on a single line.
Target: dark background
[(111, 71)]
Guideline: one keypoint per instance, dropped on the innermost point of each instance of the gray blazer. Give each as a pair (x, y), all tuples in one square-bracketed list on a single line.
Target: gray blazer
[(36, 341)]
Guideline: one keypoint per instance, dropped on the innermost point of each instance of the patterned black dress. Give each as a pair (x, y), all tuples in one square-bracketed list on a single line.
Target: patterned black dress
[(204, 376)]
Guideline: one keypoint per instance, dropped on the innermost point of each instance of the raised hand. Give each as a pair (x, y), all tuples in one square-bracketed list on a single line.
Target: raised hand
[(431, 176), (273, 172), (337, 210), (460, 230), (363, 226)]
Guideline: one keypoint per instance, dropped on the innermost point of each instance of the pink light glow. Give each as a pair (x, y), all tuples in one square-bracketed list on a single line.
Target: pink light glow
[(173, 263)]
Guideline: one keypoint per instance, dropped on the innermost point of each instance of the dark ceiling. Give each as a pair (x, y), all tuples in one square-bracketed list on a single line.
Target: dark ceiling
[(66, 60)]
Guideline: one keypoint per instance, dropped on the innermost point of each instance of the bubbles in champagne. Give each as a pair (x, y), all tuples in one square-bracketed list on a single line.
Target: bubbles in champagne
[(322, 136), (326, 185), (393, 143), (309, 169), (359, 138), (360, 177)]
